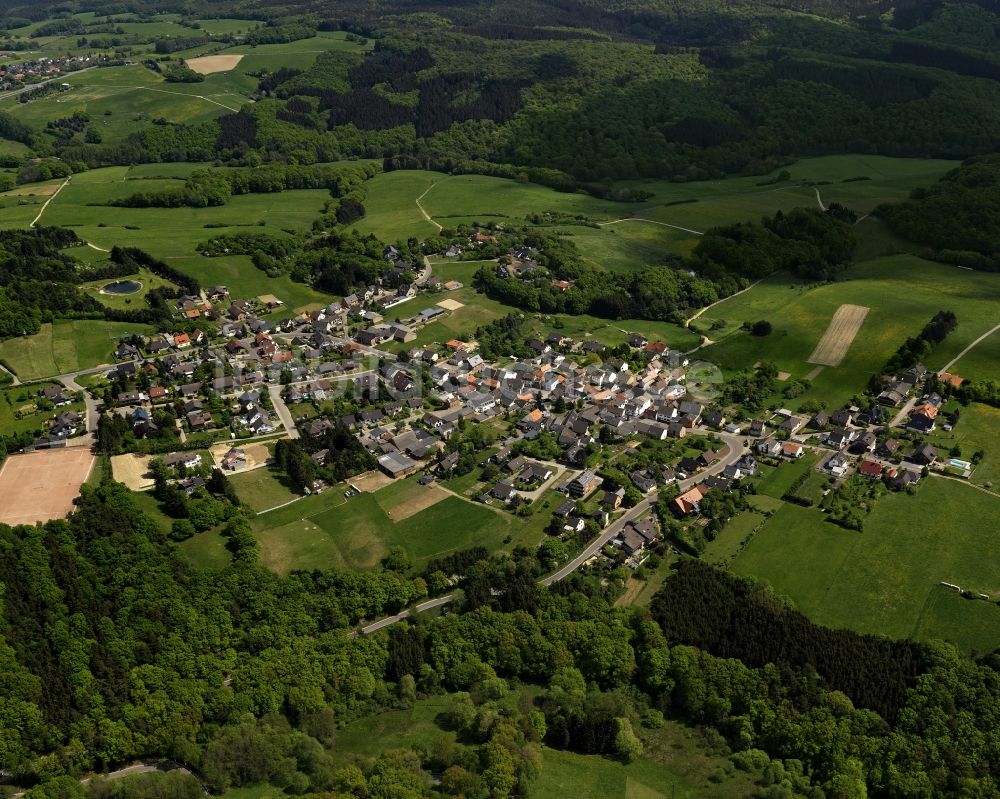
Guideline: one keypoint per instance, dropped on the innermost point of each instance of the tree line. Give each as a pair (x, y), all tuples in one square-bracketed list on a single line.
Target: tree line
[(114, 647)]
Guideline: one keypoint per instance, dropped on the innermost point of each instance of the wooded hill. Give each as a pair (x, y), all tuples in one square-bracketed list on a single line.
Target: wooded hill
[(596, 93), (114, 648)]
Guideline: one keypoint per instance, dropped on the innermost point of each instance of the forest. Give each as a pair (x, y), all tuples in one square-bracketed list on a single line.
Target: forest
[(958, 218), (598, 95), (114, 648)]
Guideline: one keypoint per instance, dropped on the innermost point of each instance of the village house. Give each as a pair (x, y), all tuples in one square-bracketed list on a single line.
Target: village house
[(690, 501), (584, 484)]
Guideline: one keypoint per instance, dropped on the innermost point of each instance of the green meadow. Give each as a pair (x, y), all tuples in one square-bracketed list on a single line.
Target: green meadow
[(329, 531), (123, 100), (262, 489), (903, 293), (358, 533), (634, 235), (978, 430), (981, 362), (879, 580), (65, 346)]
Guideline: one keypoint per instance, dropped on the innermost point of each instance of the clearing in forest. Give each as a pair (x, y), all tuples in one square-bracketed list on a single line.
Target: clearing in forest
[(839, 334), (210, 64)]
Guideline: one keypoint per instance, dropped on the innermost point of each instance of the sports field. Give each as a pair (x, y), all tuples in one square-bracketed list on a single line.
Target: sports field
[(881, 579), (40, 486)]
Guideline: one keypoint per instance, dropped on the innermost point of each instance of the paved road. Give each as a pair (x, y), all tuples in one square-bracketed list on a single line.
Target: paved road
[(733, 452), (389, 620), (897, 420), (93, 413), (60, 79), (282, 410), (15, 380)]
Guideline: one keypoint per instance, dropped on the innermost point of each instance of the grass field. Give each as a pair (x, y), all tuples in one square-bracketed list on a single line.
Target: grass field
[(327, 531), (166, 232), (968, 623), (150, 508), (206, 551), (903, 292), (981, 363), (174, 233), (133, 94), (358, 533), (879, 580), (777, 483), (728, 541), (647, 236), (65, 346), (261, 489), (122, 100)]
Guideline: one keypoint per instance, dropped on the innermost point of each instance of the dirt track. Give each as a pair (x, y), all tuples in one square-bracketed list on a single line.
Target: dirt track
[(40, 486), (839, 334)]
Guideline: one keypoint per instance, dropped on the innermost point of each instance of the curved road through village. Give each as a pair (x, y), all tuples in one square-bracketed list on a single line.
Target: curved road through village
[(734, 450)]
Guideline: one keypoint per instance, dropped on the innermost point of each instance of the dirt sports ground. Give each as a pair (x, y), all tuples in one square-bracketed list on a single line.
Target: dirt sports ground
[(210, 64), (39, 486), (839, 334)]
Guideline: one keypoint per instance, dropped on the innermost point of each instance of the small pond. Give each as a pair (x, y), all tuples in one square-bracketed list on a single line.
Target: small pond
[(122, 287)]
